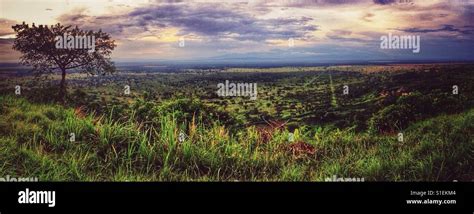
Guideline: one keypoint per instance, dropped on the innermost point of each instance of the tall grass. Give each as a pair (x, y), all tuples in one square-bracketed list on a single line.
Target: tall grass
[(35, 142)]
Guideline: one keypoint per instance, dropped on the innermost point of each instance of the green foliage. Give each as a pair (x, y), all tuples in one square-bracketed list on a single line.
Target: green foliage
[(391, 118), (414, 107), (183, 110), (438, 149)]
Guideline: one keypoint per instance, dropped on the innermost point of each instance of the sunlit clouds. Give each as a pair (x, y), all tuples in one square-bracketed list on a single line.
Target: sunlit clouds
[(322, 30)]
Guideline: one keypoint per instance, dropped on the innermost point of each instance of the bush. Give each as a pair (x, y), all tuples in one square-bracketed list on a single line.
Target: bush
[(411, 108), (185, 109), (391, 118), (418, 103)]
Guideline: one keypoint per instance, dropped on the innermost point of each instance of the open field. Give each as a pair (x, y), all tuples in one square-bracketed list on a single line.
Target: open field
[(302, 126)]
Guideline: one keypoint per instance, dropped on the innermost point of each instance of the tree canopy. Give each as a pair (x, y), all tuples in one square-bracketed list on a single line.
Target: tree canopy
[(42, 48)]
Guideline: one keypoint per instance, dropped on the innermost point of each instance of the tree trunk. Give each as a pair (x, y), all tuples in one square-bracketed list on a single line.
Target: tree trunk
[(62, 89)]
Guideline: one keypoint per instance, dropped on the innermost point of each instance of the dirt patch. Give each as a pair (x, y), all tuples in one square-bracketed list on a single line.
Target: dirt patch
[(301, 149)]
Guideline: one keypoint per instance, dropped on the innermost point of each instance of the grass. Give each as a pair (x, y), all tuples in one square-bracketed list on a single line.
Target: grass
[(35, 142)]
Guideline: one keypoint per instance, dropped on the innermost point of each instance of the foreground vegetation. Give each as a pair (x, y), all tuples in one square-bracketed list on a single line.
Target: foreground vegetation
[(173, 126), (144, 145)]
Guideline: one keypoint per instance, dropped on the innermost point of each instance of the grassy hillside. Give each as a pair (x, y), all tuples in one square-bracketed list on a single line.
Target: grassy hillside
[(35, 142)]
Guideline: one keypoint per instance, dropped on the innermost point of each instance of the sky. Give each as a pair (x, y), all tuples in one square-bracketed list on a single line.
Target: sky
[(257, 30)]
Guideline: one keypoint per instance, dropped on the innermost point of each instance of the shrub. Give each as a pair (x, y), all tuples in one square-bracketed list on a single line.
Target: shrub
[(391, 118), (411, 108), (183, 111)]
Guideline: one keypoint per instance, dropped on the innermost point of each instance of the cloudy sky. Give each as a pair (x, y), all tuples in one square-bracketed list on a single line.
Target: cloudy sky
[(257, 30)]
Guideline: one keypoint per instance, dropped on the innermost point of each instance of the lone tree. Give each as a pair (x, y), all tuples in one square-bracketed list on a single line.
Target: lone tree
[(60, 48)]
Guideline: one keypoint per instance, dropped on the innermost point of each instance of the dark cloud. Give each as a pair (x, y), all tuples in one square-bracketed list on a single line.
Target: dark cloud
[(212, 20), (328, 3), (347, 39), (6, 41), (432, 16), (306, 3), (383, 2), (467, 30)]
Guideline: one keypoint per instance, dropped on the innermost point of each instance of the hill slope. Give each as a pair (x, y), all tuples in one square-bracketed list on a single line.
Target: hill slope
[(35, 141)]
